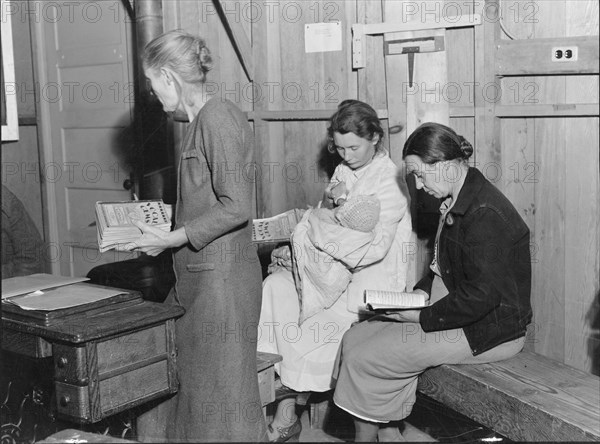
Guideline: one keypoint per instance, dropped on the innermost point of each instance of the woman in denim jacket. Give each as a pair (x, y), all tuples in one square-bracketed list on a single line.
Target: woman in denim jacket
[(479, 288)]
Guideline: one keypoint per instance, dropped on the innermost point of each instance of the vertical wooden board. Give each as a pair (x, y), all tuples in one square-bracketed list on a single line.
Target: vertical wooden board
[(518, 173), (517, 177), (486, 125), (582, 209), (171, 15), (396, 79), (269, 137), (396, 83), (519, 18), (192, 14), (293, 88), (464, 126), (350, 17), (460, 54), (303, 177), (24, 75), (549, 243), (232, 82), (548, 287), (411, 105), (93, 387), (372, 78)]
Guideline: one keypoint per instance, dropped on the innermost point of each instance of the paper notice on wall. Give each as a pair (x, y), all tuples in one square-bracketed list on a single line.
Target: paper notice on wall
[(323, 37)]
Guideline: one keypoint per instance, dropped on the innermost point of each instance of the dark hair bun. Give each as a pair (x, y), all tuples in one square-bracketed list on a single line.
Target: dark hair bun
[(465, 147), (205, 61)]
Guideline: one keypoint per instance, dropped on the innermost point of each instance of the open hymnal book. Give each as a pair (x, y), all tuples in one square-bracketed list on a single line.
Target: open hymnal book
[(277, 228), (393, 300), (114, 220)]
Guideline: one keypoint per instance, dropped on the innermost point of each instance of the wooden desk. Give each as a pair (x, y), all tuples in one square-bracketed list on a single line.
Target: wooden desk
[(106, 360)]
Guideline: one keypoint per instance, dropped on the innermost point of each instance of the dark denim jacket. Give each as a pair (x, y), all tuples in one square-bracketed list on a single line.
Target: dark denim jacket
[(485, 264)]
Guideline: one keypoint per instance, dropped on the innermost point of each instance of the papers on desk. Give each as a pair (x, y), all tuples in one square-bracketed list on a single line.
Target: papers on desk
[(63, 297), (49, 292), (40, 281)]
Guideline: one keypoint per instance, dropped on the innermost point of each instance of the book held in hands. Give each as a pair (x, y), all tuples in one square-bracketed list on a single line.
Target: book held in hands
[(277, 228), (393, 300), (114, 220)]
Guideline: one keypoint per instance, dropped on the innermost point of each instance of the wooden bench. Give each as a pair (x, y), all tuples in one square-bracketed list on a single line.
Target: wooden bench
[(525, 398)]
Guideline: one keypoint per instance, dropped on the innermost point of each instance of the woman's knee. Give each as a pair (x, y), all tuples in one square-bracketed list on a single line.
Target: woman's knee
[(277, 281), (355, 346)]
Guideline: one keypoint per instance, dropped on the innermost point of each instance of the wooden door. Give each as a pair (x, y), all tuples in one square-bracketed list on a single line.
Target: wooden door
[(83, 54)]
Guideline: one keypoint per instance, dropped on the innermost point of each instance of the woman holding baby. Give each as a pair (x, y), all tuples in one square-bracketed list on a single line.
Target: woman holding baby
[(352, 241)]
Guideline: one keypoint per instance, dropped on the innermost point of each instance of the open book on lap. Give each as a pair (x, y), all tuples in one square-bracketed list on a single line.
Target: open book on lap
[(394, 300)]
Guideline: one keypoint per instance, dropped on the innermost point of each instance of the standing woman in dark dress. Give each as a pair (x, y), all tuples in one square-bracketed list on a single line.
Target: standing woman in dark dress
[(216, 266)]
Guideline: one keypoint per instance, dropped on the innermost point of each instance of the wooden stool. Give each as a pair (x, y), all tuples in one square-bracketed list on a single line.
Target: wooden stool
[(266, 376), (320, 407)]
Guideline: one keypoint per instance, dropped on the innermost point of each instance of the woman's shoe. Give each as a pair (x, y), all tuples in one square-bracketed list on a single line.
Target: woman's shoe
[(287, 434)]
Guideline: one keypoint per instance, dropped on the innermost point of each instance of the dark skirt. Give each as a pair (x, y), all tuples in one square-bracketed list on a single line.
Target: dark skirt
[(218, 397)]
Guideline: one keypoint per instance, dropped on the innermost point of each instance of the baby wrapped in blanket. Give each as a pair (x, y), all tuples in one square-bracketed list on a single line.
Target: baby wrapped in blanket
[(320, 279)]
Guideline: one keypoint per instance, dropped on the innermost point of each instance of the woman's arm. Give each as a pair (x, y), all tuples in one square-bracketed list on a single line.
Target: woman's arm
[(154, 241), (394, 206), (229, 149), (486, 250)]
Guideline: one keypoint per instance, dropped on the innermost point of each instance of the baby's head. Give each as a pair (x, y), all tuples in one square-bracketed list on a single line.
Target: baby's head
[(359, 213)]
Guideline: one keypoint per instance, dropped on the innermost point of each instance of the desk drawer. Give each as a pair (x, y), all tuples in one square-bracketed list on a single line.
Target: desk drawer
[(90, 403), (77, 364), (24, 344), (100, 378)]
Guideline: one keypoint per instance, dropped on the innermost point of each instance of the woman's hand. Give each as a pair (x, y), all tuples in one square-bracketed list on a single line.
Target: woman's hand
[(406, 315), (403, 315), (336, 192), (423, 292), (281, 257), (154, 241)]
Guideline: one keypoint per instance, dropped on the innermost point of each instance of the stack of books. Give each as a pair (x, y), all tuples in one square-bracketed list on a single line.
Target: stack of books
[(114, 221)]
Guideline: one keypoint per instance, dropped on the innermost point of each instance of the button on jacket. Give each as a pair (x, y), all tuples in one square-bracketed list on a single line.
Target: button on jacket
[(485, 264)]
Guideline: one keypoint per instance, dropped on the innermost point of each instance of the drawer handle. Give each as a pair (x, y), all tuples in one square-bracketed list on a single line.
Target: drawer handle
[(62, 362), (64, 400)]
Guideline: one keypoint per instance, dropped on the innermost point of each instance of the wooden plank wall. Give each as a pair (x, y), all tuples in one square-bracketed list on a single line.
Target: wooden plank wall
[(548, 167), (292, 160), (550, 171), (295, 161), (227, 79)]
